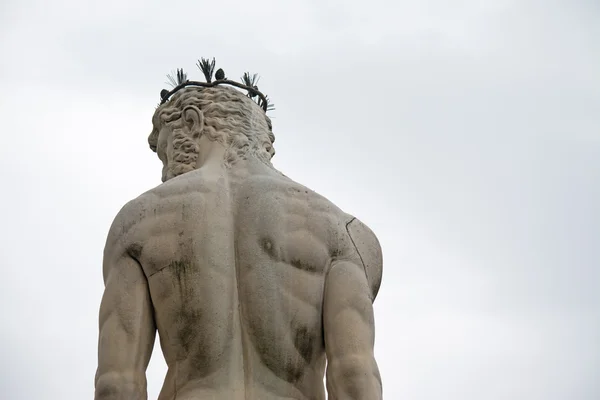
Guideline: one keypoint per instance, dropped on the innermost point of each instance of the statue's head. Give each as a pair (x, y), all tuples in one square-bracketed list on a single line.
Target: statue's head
[(219, 113)]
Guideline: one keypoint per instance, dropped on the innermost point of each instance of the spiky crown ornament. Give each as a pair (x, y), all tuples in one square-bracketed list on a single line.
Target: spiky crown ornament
[(180, 81)]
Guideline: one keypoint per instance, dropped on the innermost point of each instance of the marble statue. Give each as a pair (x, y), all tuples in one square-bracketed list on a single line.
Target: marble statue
[(257, 286)]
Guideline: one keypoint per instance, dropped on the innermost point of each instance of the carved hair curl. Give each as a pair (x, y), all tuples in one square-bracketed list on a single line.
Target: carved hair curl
[(230, 118)]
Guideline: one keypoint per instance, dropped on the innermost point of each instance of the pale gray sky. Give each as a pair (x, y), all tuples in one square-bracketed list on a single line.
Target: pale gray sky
[(466, 134)]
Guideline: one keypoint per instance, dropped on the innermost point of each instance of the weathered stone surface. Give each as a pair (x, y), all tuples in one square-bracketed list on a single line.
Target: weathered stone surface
[(252, 280)]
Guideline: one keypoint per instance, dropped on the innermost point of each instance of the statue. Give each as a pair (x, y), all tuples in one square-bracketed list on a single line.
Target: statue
[(255, 283)]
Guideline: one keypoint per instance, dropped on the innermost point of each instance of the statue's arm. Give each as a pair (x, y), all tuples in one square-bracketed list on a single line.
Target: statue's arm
[(349, 330), (127, 329)]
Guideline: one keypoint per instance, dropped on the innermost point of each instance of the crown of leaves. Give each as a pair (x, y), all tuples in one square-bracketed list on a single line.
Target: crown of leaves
[(178, 80)]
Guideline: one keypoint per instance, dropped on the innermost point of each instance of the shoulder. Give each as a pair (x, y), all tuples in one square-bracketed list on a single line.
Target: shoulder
[(368, 248), (124, 230), (348, 237), (130, 222), (123, 239), (279, 183)]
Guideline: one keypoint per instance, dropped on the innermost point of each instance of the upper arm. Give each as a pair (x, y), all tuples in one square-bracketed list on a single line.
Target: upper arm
[(369, 250), (127, 328), (349, 327), (349, 334)]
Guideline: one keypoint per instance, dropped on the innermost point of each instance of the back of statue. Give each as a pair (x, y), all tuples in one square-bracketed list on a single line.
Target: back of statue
[(254, 283)]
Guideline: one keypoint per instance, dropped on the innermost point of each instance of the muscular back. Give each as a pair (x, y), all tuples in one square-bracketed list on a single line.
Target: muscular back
[(236, 266)]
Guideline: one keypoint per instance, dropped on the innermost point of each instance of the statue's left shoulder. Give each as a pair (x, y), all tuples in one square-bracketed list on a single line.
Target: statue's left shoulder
[(125, 229), (368, 248)]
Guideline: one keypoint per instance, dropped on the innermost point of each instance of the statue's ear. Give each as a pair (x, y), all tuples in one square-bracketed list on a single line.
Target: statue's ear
[(193, 120)]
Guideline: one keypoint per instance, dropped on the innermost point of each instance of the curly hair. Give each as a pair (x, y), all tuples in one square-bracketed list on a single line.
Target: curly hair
[(230, 118)]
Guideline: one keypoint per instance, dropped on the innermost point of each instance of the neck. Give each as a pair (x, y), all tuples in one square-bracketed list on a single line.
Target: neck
[(211, 155)]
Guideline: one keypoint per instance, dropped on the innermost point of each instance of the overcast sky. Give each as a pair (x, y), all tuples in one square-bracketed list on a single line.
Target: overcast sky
[(465, 133)]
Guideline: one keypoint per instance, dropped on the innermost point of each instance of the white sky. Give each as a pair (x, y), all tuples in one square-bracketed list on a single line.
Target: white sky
[(466, 134)]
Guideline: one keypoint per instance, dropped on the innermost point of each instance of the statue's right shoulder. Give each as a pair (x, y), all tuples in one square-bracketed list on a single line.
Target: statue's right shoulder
[(369, 250)]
